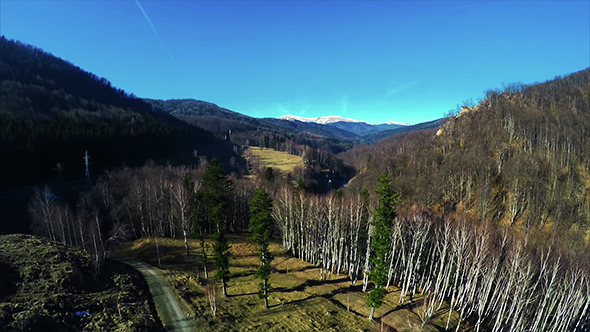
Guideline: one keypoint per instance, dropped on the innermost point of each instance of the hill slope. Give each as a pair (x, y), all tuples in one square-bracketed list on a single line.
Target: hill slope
[(521, 157), (208, 116), (52, 112), (221, 121)]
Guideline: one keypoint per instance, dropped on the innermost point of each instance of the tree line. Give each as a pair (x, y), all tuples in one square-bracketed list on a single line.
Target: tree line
[(496, 278)]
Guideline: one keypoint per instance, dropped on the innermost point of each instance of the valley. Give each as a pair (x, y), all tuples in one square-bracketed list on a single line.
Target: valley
[(479, 221), (299, 300)]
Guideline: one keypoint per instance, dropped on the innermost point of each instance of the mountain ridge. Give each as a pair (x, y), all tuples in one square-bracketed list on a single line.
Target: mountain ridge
[(49, 103), (335, 118)]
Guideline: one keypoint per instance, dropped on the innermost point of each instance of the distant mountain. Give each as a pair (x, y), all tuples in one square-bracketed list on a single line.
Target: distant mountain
[(371, 138), (240, 128), (222, 121), (357, 127), (218, 120), (320, 120), (324, 130), (192, 107)]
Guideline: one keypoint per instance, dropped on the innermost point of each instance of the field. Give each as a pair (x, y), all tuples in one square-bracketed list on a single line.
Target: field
[(299, 301), (261, 158)]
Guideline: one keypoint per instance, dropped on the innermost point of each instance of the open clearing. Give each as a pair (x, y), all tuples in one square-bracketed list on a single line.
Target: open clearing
[(282, 161), (299, 300)]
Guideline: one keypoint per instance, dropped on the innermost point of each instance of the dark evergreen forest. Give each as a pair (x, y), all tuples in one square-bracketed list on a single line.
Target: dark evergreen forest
[(51, 112)]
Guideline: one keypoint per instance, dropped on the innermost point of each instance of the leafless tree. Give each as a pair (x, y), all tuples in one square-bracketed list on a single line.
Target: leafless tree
[(211, 290)]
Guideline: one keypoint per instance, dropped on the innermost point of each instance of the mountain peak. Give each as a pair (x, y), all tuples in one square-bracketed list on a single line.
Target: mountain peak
[(320, 119), (396, 123), (332, 119)]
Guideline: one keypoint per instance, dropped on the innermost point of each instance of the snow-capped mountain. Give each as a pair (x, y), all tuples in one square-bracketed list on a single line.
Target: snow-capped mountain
[(357, 127), (320, 120), (396, 123)]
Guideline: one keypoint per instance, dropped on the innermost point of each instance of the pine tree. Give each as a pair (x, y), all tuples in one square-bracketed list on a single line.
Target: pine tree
[(381, 245), (200, 228), (216, 190), (261, 228), (269, 174)]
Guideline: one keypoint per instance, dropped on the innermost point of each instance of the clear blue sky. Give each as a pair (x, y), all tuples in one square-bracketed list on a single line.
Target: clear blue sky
[(375, 61)]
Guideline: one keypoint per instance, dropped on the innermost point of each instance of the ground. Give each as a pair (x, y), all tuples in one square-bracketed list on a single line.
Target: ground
[(167, 303), (49, 286), (299, 301)]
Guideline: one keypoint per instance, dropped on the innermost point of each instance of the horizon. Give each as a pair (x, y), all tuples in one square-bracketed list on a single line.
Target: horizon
[(407, 62)]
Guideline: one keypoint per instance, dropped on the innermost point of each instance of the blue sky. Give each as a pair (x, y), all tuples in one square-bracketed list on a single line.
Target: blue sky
[(375, 61)]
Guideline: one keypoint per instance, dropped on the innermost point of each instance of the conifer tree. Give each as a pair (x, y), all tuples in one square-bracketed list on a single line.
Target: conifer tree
[(261, 228), (269, 174), (200, 228), (217, 188), (383, 217)]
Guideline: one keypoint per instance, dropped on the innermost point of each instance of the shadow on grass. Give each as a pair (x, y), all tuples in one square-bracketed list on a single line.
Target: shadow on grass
[(242, 274), (294, 302), (440, 313), (340, 304), (313, 283), (240, 295), (287, 271), (399, 307), (255, 255)]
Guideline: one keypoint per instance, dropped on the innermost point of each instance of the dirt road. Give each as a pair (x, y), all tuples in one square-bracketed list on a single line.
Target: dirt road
[(166, 303)]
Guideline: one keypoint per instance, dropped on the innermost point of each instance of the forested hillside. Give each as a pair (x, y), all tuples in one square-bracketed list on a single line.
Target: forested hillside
[(521, 157), (484, 220), (245, 130), (492, 221), (51, 112), (208, 116), (314, 142), (493, 278), (372, 138)]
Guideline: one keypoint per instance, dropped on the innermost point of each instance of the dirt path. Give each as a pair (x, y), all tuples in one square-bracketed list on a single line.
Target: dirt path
[(166, 303)]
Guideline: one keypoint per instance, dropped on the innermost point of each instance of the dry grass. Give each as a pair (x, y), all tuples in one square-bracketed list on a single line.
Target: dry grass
[(282, 161), (299, 301)]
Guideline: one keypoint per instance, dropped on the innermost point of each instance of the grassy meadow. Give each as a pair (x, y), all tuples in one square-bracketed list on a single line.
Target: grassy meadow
[(299, 300), (282, 161)]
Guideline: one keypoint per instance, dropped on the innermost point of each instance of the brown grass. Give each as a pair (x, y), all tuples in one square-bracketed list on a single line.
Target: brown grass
[(299, 301), (282, 161)]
